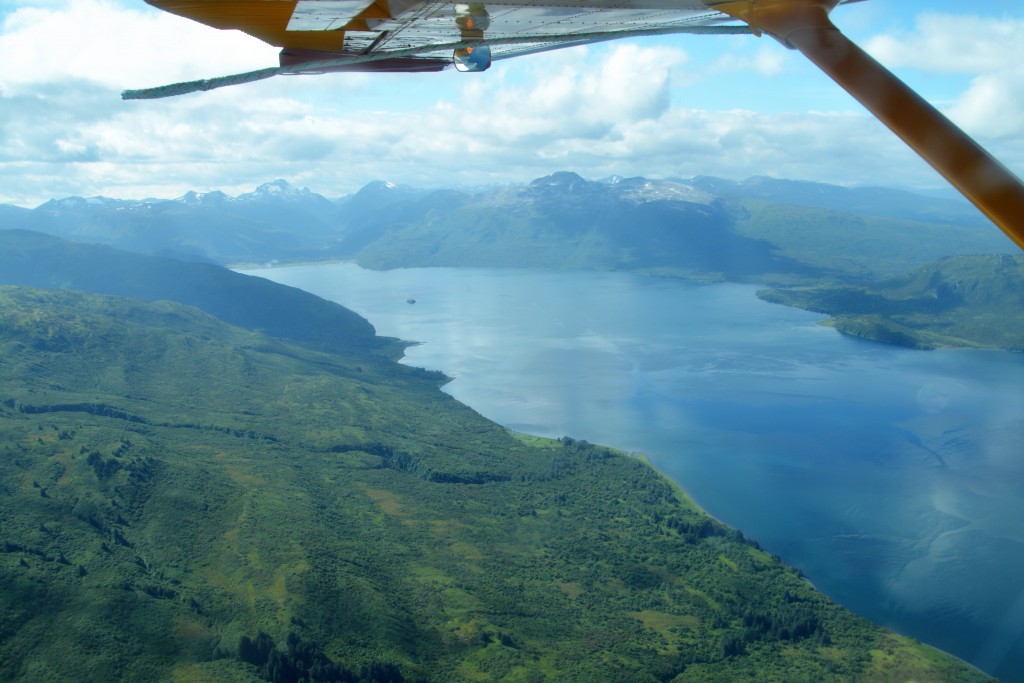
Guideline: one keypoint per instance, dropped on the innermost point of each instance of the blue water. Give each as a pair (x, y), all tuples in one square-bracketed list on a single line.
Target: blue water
[(893, 478)]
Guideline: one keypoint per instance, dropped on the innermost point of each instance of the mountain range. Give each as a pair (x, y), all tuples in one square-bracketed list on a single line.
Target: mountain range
[(761, 229)]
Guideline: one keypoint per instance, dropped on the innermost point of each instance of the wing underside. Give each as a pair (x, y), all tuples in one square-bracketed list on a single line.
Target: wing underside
[(558, 23), (312, 30)]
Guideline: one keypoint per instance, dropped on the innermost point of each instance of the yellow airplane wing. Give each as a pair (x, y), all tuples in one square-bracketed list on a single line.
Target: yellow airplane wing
[(317, 36), (416, 35)]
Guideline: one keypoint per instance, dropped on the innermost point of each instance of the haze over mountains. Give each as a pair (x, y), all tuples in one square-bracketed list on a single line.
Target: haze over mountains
[(778, 232), (761, 229)]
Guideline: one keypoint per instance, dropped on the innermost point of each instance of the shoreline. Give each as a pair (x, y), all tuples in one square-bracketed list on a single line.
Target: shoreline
[(884, 331), (686, 497), (661, 474)]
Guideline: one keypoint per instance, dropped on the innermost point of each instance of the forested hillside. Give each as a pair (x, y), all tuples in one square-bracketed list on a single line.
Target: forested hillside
[(187, 500), (37, 260), (958, 301)]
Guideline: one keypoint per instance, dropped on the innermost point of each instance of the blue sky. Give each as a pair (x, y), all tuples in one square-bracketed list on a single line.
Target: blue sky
[(668, 107)]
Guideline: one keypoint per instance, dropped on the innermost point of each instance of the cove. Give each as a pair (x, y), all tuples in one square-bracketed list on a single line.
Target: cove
[(893, 478)]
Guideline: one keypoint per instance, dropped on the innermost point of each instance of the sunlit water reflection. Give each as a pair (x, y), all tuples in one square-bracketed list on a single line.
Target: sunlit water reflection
[(893, 478)]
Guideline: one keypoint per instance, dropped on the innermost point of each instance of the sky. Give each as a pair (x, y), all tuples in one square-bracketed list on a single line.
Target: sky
[(667, 107)]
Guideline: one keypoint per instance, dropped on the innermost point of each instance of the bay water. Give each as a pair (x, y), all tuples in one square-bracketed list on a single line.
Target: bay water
[(893, 478)]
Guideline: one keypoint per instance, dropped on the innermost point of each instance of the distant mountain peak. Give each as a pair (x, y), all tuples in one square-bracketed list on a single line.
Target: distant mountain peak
[(565, 181), (65, 203), (378, 190), (379, 185), (278, 186), (277, 190), (76, 203), (641, 190), (192, 198)]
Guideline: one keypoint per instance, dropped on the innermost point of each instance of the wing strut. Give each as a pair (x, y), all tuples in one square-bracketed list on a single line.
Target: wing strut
[(543, 41), (805, 26)]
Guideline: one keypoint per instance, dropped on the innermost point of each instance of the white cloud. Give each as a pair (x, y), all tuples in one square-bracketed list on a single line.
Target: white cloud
[(993, 106), (767, 61), (573, 96), (609, 109), (945, 43), (986, 48), (102, 42)]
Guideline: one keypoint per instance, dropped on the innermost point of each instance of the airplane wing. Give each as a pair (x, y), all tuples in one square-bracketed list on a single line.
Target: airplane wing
[(318, 36), (414, 35)]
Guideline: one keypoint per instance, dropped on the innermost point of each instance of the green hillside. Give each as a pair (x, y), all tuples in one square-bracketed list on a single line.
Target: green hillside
[(564, 221), (958, 301), (761, 230), (183, 500), (38, 260), (849, 246)]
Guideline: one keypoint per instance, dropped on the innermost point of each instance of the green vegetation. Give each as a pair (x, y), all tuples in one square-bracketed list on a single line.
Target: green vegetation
[(183, 500), (37, 260), (959, 301), (848, 246), (564, 221)]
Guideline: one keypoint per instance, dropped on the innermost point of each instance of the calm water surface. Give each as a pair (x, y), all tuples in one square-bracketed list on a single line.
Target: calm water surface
[(893, 478)]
